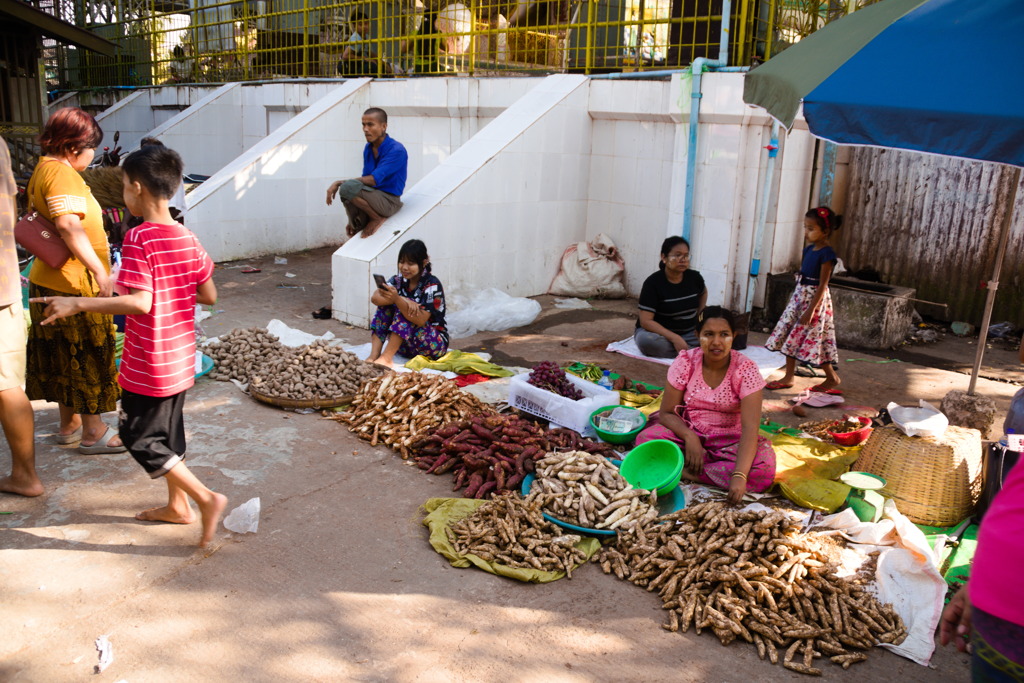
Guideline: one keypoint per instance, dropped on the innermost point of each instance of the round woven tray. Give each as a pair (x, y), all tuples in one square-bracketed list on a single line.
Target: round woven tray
[(292, 403), (932, 481)]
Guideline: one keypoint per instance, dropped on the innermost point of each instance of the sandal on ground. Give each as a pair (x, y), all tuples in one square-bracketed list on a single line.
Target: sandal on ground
[(777, 384), (103, 447), (73, 437), (833, 391), (804, 370), (324, 313)]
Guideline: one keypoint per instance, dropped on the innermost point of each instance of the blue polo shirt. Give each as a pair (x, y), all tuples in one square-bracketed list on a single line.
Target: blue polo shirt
[(390, 168)]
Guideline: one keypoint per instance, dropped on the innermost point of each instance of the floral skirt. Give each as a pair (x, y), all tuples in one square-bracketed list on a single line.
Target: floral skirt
[(814, 343), (71, 361), (429, 341)]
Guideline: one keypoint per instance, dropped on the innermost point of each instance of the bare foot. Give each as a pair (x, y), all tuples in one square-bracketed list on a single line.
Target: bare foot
[(350, 230), (211, 512), (386, 362), (166, 514), (29, 489), (371, 228)]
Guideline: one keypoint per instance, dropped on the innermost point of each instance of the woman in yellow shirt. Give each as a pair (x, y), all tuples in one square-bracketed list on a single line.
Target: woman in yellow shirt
[(72, 361)]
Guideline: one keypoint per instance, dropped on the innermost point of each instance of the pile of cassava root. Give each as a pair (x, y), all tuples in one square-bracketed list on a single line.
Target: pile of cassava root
[(313, 371), (751, 575), (586, 489), (489, 454), (513, 532), (399, 408)]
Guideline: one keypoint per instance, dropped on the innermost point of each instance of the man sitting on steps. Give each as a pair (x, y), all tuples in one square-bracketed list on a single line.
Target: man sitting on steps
[(370, 199)]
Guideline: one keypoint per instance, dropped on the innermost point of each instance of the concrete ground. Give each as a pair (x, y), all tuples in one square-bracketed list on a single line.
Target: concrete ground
[(340, 583)]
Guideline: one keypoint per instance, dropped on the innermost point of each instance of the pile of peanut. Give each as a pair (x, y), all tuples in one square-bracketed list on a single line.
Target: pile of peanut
[(314, 371)]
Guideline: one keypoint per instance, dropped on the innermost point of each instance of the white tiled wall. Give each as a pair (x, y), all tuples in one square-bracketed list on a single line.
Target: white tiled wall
[(144, 110), (495, 212), (504, 174)]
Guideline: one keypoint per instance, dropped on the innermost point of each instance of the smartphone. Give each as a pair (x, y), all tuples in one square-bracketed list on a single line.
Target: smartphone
[(379, 279)]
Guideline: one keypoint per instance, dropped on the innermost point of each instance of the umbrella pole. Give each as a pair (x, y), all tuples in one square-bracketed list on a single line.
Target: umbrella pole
[(993, 284)]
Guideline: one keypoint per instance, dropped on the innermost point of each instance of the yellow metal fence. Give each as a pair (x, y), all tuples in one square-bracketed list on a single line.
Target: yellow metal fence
[(166, 41)]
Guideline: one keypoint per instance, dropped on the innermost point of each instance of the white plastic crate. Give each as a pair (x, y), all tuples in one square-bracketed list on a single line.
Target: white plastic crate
[(546, 404)]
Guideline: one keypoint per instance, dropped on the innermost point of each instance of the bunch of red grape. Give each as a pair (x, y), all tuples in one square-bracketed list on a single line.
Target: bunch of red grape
[(548, 375)]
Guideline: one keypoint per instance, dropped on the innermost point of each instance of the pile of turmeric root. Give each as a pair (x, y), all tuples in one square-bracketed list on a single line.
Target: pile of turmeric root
[(751, 575), (742, 574)]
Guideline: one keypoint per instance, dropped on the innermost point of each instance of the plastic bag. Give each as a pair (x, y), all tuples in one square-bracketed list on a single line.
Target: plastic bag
[(590, 269), (245, 518), (488, 309), (455, 18), (926, 420)]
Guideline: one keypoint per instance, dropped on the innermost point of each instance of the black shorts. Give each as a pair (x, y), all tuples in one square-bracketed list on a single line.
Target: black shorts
[(153, 430)]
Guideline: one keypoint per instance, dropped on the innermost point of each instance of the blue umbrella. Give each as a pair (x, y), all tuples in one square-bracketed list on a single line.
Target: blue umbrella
[(922, 75)]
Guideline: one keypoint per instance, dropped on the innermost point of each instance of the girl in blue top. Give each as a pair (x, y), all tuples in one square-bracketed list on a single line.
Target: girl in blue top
[(409, 320), (806, 331)]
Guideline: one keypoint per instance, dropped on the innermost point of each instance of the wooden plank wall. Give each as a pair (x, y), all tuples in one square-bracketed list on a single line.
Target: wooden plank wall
[(931, 223)]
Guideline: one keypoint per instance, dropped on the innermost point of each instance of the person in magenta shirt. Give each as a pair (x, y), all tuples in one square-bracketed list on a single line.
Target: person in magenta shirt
[(164, 273), (988, 611), (712, 409)]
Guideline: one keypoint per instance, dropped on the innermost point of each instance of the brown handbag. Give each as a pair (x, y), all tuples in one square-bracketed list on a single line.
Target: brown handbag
[(41, 238)]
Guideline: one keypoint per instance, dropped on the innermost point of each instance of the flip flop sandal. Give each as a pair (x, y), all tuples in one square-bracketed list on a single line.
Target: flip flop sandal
[(776, 385), (73, 437), (833, 392), (807, 371), (324, 313), (103, 447)]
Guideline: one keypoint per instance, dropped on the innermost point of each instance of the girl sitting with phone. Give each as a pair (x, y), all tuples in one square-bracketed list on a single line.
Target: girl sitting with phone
[(410, 310)]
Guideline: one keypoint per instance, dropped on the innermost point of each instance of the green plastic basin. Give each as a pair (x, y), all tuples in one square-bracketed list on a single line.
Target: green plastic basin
[(655, 465), (613, 437)]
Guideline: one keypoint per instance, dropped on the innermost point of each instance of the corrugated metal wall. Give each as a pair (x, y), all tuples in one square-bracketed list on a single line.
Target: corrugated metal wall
[(932, 223)]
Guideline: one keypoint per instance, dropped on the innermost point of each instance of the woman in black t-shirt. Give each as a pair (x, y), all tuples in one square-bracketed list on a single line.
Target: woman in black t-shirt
[(669, 303)]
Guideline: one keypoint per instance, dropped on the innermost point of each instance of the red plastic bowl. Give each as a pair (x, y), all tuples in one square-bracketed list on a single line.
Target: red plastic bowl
[(856, 437)]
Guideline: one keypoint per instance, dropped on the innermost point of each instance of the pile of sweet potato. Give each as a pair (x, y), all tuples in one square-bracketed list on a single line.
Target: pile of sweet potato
[(493, 453)]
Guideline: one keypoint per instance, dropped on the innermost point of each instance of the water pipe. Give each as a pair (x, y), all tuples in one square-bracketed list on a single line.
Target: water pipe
[(762, 215), (636, 75), (696, 69)]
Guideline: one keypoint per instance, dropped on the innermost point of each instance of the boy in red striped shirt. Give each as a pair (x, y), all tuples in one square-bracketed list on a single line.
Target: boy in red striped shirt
[(164, 273)]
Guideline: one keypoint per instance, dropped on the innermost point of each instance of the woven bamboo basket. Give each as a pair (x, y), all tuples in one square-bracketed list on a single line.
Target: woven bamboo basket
[(293, 403), (932, 481)]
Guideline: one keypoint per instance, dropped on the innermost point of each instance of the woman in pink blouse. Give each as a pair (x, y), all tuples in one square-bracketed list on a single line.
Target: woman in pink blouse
[(712, 409)]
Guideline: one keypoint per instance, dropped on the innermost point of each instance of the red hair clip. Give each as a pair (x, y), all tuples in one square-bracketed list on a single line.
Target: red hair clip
[(823, 212)]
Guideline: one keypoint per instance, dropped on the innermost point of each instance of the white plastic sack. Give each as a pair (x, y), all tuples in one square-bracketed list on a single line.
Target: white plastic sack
[(906, 574), (488, 309), (590, 269), (926, 420), (289, 336), (455, 18)]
